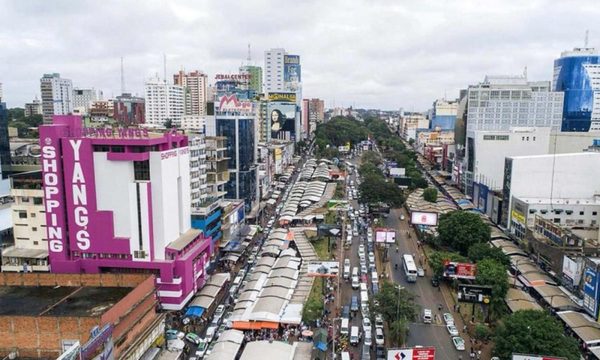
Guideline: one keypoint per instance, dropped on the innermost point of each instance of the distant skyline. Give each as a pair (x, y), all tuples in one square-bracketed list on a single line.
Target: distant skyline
[(366, 54)]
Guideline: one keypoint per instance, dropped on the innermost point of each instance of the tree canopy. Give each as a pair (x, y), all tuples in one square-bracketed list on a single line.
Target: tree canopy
[(493, 273), (430, 194), (533, 332), (374, 188), (480, 251), (395, 303), (461, 229)]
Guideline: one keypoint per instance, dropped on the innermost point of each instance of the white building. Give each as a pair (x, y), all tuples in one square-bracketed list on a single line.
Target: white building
[(559, 182), (82, 100), (409, 123), (273, 70), (502, 102), (57, 96), (195, 122), (163, 102), (198, 183), (195, 91)]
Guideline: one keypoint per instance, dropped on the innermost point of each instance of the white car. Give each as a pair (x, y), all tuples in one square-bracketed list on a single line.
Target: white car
[(366, 325), (420, 272), (361, 249), (452, 330), (372, 258), (379, 338), (459, 343), (448, 319), (218, 314), (363, 269), (355, 282), (368, 339), (378, 321), (211, 332)]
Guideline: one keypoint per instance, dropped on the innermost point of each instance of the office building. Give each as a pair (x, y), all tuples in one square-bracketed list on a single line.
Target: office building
[(443, 114), (102, 110), (256, 77), (30, 251), (195, 123), (164, 103), (118, 200), (195, 91), (282, 71), (57, 96), (313, 113), (410, 123), (577, 74), (129, 110), (33, 108), (83, 99)]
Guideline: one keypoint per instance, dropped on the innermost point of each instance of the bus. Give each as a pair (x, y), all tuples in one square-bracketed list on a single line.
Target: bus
[(410, 269)]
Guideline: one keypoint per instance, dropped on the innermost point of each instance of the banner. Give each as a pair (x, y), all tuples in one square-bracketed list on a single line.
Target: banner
[(282, 97), (460, 270), (323, 268), (590, 291), (291, 69), (424, 218)]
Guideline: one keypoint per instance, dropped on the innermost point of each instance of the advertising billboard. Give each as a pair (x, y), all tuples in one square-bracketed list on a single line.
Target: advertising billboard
[(474, 293), (590, 291), (281, 120), (231, 103), (457, 270), (291, 69), (329, 230), (323, 268), (385, 235), (571, 271), (424, 218), (416, 353), (282, 97), (396, 171)]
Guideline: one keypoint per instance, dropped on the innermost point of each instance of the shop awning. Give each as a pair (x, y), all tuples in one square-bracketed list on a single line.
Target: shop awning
[(194, 311), (254, 325)]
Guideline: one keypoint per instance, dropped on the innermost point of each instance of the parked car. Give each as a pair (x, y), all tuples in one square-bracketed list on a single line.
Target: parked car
[(201, 349), (435, 282), (448, 319), (193, 338), (218, 313), (211, 332), (378, 321), (379, 338), (459, 343), (368, 339), (452, 330), (380, 353), (354, 303), (173, 334), (346, 312), (420, 272), (366, 324)]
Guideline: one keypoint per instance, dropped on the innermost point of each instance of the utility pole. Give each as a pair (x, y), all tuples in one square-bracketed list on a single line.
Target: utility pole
[(122, 78)]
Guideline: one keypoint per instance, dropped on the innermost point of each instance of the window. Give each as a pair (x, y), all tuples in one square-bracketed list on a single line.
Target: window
[(31, 214), (141, 170), (33, 228), (117, 149), (22, 214), (38, 201), (36, 243), (101, 148), (581, 213), (556, 220), (594, 213)]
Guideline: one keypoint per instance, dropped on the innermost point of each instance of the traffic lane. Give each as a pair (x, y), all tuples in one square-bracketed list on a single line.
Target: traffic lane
[(422, 335)]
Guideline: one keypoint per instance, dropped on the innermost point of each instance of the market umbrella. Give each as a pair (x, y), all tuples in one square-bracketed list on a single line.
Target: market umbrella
[(320, 339)]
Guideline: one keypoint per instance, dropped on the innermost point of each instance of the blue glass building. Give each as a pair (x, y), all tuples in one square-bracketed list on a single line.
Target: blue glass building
[(576, 75)]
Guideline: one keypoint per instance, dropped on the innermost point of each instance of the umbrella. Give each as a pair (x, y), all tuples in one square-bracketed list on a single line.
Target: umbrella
[(307, 333), (320, 339)]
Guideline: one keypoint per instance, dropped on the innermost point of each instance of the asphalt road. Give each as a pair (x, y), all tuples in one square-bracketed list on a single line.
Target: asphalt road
[(427, 296)]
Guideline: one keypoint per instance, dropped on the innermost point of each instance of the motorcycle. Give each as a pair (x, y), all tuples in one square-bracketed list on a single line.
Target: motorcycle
[(396, 266)]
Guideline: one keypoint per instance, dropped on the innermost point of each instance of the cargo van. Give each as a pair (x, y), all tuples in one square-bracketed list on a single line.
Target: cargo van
[(345, 355), (427, 316), (347, 269), (363, 286), (345, 328), (355, 282), (354, 337), (364, 297), (355, 271)]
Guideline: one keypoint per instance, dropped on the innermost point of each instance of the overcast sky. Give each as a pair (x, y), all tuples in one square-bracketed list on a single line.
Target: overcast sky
[(375, 54)]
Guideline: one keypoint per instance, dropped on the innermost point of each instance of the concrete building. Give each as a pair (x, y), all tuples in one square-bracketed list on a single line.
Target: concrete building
[(437, 138), (163, 102), (559, 182), (577, 74), (313, 113), (82, 100), (273, 70), (57, 96), (195, 123), (443, 114), (129, 110), (118, 200), (33, 108), (102, 111), (410, 122), (198, 184), (195, 91), (80, 316), (30, 251), (256, 77)]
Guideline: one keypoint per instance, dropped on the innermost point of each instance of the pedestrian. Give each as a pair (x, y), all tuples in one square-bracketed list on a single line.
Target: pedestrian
[(465, 328)]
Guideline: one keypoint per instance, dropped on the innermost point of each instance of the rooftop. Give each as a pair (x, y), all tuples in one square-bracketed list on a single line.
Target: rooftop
[(58, 300)]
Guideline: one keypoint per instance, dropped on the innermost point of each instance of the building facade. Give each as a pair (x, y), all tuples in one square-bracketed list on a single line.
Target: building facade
[(443, 114), (164, 102), (5, 155), (256, 77), (129, 110), (577, 74), (57, 96), (82, 100), (33, 108), (195, 91), (118, 200)]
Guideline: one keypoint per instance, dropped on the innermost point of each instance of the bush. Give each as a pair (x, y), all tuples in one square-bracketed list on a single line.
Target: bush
[(482, 332), (430, 194)]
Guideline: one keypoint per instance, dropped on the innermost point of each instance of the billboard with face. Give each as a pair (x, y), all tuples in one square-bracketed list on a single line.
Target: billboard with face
[(291, 69), (281, 120)]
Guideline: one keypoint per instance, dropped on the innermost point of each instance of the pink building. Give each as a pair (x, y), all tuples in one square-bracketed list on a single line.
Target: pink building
[(118, 200)]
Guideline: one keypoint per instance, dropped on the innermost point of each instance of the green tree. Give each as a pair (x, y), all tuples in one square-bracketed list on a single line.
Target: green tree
[(533, 332), (168, 124), (395, 303), (399, 331), (438, 258), (367, 169), (374, 188), (371, 157), (480, 251), (461, 229), (430, 194), (493, 273)]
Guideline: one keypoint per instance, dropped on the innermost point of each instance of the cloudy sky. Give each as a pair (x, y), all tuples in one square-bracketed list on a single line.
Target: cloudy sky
[(376, 54)]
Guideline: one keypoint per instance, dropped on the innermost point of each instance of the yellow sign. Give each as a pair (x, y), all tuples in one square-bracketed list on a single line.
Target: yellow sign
[(281, 96), (518, 217)]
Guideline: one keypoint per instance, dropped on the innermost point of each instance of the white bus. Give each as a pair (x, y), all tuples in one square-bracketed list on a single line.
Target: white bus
[(410, 269)]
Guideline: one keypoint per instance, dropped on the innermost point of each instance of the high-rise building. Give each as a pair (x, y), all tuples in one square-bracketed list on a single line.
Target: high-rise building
[(83, 99), (57, 96), (256, 77), (274, 70), (164, 102), (129, 110), (443, 114), (194, 86), (33, 108), (118, 200), (313, 113), (577, 73)]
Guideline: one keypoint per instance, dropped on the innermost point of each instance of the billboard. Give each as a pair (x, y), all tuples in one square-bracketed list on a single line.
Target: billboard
[(590, 291), (329, 230), (396, 171), (323, 268), (571, 271), (457, 270), (233, 104), (385, 235), (424, 218), (416, 353), (292, 69), (282, 97), (281, 120), (474, 293), (535, 357)]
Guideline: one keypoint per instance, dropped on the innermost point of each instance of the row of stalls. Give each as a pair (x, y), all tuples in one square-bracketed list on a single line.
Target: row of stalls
[(302, 195), (209, 297)]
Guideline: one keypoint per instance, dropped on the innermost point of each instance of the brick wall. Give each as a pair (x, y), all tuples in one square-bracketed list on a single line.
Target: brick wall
[(44, 279)]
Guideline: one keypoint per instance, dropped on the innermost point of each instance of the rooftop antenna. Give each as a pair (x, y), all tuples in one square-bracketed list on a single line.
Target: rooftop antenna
[(122, 78), (249, 58), (165, 68), (525, 72), (587, 36)]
